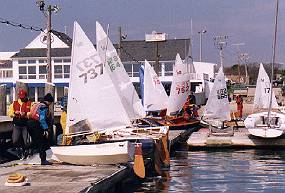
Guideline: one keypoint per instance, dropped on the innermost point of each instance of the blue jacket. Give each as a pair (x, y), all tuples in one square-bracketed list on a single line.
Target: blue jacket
[(43, 111)]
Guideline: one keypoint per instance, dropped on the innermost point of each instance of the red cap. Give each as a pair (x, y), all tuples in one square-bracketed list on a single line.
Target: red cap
[(22, 94)]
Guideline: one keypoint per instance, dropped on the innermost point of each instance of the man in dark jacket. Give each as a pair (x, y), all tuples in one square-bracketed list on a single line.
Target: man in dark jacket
[(39, 124)]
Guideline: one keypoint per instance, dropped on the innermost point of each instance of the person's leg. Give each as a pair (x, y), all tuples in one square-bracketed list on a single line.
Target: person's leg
[(25, 136)]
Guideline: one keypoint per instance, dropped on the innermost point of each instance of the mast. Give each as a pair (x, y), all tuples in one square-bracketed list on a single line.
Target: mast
[(273, 59)]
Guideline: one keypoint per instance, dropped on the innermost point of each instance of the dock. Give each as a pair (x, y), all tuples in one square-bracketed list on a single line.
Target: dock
[(240, 138), (70, 178)]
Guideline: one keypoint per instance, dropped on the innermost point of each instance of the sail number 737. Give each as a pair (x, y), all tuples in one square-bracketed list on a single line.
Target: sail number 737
[(90, 67)]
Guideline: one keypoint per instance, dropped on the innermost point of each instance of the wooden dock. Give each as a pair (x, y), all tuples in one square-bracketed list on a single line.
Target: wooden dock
[(240, 138), (71, 178)]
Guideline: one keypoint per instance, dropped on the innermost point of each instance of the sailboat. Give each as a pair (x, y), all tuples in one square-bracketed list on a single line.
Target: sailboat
[(266, 124), (217, 108), (180, 89), (92, 96), (155, 97), (121, 81), (257, 123)]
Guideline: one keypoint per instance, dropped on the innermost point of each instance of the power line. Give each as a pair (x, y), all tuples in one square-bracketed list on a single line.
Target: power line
[(20, 25)]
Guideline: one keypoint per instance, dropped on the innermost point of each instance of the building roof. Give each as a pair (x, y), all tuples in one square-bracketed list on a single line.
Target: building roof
[(63, 37), (141, 50), (131, 50), (42, 52)]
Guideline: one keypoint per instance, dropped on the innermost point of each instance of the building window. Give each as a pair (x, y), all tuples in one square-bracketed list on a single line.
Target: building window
[(128, 68), (42, 72), (136, 68), (32, 72), (27, 72), (22, 61), (61, 71), (66, 70), (31, 61), (168, 66), (23, 72), (57, 61), (57, 71), (66, 60), (6, 73), (42, 61)]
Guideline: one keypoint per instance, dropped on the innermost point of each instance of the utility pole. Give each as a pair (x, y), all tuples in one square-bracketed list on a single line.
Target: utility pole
[(238, 58), (244, 58), (49, 68), (47, 12), (220, 42), (201, 33)]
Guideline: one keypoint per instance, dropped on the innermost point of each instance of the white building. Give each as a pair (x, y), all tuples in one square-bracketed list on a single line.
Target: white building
[(29, 64)]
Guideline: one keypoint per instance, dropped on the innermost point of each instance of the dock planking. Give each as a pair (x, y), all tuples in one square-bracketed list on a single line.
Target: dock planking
[(241, 139), (65, 178)]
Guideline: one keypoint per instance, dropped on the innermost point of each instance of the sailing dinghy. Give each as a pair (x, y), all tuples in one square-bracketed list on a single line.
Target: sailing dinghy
[(217, 108), (92, 96), (127, 93), (258, 123), (180, 89)]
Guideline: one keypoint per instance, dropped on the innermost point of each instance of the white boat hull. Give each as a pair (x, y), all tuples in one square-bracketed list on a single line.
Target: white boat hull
[(258, 126), (107, 153)]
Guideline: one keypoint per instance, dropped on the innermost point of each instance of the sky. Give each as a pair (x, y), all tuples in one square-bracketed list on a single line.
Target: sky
[(250, 22)]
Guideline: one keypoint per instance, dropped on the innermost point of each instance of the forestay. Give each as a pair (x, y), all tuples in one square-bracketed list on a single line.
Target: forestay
[(118, 74), (217, 106), (262, 91), (180, 87), (155, 97), (92, 96)]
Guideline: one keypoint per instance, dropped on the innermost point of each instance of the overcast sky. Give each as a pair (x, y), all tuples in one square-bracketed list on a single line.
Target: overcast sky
[(244, 21)]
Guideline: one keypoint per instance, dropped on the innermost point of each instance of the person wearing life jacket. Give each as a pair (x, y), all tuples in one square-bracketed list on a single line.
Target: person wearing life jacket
[(189, 108), (239, 102), (39, 124), (18, 110)]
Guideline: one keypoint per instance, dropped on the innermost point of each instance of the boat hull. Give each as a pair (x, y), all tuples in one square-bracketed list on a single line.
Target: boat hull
[(258, 126), (107, 153)]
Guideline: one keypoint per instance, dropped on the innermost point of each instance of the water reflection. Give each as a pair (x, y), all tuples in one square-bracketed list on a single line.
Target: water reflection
[(221, 171)]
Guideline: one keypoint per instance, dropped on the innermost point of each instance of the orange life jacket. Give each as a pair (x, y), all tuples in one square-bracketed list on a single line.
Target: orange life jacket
[(34, 111), (25, 107)]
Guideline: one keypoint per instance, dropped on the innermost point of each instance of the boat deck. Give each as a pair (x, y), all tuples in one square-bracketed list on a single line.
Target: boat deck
[(240, 138)]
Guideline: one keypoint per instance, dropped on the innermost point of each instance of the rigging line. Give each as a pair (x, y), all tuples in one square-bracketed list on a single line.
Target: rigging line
[(273, 58), (23, 26)]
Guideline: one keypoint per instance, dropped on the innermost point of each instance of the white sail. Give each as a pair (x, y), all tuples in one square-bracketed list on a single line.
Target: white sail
[(92, 96), (118, 74), (155, 97), (180, 87), (217, 106), (262, 91)]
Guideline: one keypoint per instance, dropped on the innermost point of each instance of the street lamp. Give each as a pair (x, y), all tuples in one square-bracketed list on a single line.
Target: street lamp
[(201, 33), (47, 10)]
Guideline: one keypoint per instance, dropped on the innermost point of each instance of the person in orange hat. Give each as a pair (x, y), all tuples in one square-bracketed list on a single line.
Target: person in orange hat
[(18, 111)]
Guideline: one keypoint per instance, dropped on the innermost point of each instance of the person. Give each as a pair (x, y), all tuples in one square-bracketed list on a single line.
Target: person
[(18, 110), (39, 124), (239, 101), (192, 98), (189, 108), (63, 140)]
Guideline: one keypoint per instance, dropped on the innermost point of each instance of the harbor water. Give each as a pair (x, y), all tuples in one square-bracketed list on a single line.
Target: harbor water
[(223, 170)]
